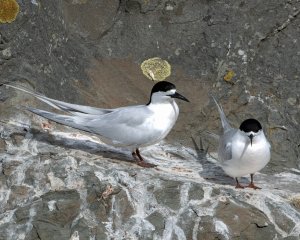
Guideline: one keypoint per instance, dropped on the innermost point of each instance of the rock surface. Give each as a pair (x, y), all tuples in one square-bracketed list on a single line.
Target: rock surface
[(70, 186), (76, 187)]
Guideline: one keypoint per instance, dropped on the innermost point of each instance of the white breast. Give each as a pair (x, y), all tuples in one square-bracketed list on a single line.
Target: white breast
[(163, 119), (247, 159)]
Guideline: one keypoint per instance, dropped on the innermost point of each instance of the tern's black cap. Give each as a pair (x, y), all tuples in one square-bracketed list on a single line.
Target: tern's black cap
[(162, 86), (250, 125)]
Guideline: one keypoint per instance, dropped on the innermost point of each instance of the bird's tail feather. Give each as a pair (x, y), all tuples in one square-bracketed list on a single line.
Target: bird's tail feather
[(71, 121), (74, 109), (226, 126)]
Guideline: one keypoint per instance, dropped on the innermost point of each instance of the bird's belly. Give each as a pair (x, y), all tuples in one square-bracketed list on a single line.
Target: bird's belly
[(253, 160)]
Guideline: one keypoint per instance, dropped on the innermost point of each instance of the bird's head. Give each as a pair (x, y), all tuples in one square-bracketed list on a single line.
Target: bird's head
[(251, 128), (164, 91)]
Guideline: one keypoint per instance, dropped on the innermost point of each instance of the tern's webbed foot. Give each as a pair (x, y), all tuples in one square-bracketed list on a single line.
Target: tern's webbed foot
[(140, 161), (239, 186), (145, 164), (251, 185)]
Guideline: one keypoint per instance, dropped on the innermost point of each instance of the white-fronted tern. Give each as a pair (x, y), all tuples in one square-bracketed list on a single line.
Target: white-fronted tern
[(242, 151), (132, 127)]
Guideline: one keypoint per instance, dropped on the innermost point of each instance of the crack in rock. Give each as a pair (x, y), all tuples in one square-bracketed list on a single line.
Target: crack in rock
[(283, 26)]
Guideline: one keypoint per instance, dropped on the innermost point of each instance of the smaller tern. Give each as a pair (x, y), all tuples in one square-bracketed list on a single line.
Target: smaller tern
[(131, 127), (242, 151)]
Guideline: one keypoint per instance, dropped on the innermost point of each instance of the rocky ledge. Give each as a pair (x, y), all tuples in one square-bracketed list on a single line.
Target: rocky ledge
[(68, 185), (58, 183)]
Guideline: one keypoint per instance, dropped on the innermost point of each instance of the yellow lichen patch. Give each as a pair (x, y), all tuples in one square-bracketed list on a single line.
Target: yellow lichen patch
[(9, 10), (156, 69), (229, 75)]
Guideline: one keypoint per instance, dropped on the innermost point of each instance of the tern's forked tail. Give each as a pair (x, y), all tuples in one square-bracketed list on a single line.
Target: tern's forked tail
[(226, 126), (74, 109), (76, 122)]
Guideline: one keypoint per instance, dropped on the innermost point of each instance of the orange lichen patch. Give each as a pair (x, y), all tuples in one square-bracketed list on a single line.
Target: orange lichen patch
[(109, 190), (9, 10), (46, 126), (229, 75)]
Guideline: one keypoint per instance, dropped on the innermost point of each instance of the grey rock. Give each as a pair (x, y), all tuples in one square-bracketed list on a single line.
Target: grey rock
[(101, 17), (92, 196), (10, 166), (17, 139), (187, 221), (59, 209), (282, 221), (60, 206), (19, 194), (157, 220), (207, 230), (2, 145), (58, 186), (231, 214), (292, 238), (169, 194), (83, 230), (195, 193)]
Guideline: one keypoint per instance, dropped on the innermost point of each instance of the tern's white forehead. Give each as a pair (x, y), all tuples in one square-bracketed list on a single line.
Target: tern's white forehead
[(172, 91), (252, 133)]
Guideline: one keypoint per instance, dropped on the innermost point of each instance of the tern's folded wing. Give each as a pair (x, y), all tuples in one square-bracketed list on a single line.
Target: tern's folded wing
[(71, 121), (225, 152), (125, 126), (225, 145), (128, 126)]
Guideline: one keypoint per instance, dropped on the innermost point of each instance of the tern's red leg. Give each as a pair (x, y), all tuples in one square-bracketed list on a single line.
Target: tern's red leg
[(251, 184), (140, 161), (238, 185)]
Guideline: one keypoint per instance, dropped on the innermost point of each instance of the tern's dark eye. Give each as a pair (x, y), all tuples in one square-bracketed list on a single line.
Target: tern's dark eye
[(250, 125)]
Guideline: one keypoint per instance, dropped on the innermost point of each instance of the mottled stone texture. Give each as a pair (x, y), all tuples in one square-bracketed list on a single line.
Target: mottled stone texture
[(89, 52), (75, 187)]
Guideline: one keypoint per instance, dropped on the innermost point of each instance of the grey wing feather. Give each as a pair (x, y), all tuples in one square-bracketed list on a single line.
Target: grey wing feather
[(114, 126), (226, 126), (225, 150), (225, 145), (122, 124), (71, 121), (74, 109), (118, 125)]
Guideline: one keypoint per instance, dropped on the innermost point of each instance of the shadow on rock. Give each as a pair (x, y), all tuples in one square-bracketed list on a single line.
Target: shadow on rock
[(212, 172), (78, 144)]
